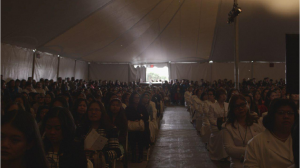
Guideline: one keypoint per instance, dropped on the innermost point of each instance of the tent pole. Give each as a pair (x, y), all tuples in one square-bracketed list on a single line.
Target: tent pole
[(88, 71), (252, 70), (58, 68), (236, 50), (75, 70), (33, 65)]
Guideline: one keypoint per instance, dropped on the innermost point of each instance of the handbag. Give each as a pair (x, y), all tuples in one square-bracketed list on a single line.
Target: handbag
[(136, 125)]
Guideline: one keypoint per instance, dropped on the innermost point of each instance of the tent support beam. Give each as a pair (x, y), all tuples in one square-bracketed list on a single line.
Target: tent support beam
[(236, 50), (74, 72), (58, 68), (88, 71), (33, 65), (252, 70)]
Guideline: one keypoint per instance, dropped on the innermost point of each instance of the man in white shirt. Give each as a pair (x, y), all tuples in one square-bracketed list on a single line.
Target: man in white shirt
[(39, 88)]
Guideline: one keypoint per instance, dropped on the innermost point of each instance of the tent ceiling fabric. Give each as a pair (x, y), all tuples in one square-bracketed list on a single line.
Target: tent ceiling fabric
[(262, 29), (141, 31)]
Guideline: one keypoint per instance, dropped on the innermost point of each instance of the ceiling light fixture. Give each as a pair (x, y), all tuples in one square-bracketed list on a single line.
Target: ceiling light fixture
[(235, 11)]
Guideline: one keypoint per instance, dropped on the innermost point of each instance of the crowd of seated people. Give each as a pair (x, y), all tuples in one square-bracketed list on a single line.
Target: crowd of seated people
[(251, 127), (60, 116)]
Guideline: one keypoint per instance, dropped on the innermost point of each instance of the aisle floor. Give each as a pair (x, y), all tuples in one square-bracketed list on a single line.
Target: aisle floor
[(178, 144)]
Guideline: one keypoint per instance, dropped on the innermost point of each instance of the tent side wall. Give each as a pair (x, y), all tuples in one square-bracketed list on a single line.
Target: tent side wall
[(16, 63)]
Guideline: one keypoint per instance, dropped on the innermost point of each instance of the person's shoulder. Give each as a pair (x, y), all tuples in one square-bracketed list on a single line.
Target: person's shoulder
[(258, 139)]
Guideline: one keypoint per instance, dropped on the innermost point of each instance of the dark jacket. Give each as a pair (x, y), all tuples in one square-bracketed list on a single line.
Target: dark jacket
[(122, 126), (133, 114)]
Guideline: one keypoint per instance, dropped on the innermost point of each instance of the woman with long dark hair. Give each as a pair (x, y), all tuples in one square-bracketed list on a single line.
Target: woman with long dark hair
[(231, 93), (264, 94), (24, 103), (60, 147), (251, 104), (21, 144), (257, 99), (49, 97), (79, 110), (198, 106), (240, 127), (40, 102), (273, 147), (118, 118), (135, 111), (41, 112), (60, 102), (97, 119), (217, 114), (125, 100), (205, 129), (271, 95)]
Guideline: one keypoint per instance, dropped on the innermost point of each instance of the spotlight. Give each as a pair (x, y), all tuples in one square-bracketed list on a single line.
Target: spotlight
[(235, 11), (211, 61)]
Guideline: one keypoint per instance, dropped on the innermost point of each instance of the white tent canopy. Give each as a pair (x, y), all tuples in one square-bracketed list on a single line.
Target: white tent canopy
[(143, 31), (140, 31)]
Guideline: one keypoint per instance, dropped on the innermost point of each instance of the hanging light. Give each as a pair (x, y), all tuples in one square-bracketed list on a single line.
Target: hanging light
[(235, 11)]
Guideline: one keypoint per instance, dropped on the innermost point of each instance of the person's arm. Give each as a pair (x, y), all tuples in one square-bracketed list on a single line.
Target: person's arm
[(211, 116), (231, 149), (150, 112), (205, 109), (198, 106), (252, 157)]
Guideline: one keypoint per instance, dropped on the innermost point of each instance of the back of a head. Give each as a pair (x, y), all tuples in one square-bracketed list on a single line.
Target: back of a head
[(63, 101), (25, 123)]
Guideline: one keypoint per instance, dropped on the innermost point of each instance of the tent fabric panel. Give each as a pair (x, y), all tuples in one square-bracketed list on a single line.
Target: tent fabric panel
[(141, 74), (262, 70), (245, 71), (66, 67), (223, 71), (201, 71), (193, 71), (109, 72), (132, 73), (81, 70), (142, 31), (33, 23), (137, 74), (46, 66), (261, 34), (16, 62)]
